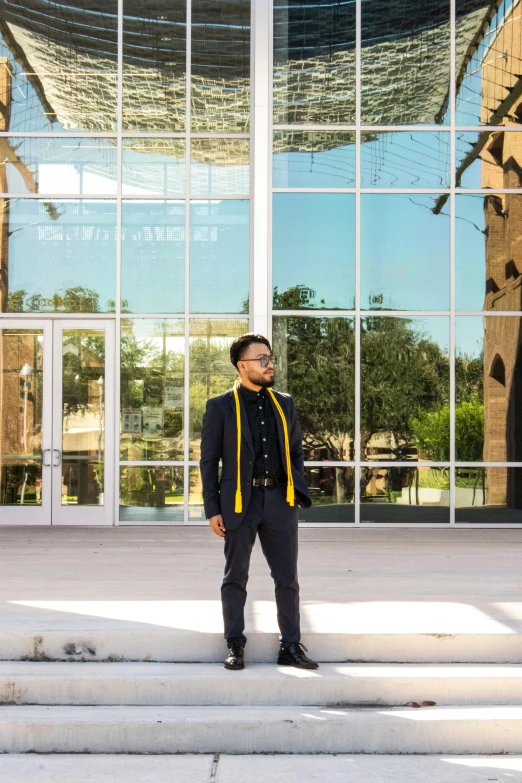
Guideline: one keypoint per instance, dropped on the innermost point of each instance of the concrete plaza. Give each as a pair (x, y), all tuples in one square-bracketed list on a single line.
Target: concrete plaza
[(401, 614), (381, 581)]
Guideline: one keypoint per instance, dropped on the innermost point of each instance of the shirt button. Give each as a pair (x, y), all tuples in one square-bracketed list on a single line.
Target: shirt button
[(260, 407), (262, 422), (264, 438), (266, 455)]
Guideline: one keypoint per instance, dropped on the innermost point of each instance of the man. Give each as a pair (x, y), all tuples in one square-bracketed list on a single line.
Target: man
[(255, 433)]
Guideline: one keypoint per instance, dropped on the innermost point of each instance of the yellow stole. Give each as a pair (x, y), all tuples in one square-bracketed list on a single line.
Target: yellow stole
[(290, 491)]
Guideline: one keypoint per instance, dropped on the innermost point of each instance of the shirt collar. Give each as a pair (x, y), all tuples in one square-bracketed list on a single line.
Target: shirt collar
[(250, 395)]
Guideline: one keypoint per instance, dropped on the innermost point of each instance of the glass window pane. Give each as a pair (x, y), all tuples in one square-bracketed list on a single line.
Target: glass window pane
[(57, 256), (154, 66), (220, 166), (313, 159), (153, 257), (405, 388), (488, 45), (488, 159), (20, 482), (151, 493), (211, 372), (83, 417), (219, 256), (21, 398), (405, 63), (313, 257), (59, 66), (470, 249), (405, 249), (57, 166), (488, 495), (220, 71), (488, 252), (196, 511), (152, 389), (332, 492), (153, 166), (314, 62), (405, 495), (316, 365), (488, 389), (405, 160)]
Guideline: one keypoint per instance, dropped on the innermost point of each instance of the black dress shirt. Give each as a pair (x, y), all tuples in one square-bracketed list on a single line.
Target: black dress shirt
[(263, 426)]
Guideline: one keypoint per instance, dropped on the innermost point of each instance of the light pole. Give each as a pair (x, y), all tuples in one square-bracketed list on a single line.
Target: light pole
[(25, 373)]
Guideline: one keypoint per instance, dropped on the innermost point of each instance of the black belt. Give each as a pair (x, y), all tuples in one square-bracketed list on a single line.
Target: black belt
[(267, 482)]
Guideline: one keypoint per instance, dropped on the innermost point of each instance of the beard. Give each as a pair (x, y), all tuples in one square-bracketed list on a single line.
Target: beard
[(265, 381)]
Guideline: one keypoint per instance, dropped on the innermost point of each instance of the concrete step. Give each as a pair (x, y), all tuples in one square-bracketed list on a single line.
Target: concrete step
[(340, 768), (68, 641), (304, 729), (193, 684)]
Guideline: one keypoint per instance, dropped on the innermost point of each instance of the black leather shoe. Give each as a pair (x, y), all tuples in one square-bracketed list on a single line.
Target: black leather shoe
[(294, 655), (235, 658)]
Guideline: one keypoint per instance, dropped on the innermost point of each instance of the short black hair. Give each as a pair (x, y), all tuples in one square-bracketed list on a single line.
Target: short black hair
[(240, 344)]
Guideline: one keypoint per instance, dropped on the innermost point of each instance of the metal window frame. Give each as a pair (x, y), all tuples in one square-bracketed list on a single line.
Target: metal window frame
[(358, 312), (261, 315)]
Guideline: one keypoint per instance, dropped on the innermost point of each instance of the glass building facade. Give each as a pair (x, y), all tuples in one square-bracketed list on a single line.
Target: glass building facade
[(341, 175)]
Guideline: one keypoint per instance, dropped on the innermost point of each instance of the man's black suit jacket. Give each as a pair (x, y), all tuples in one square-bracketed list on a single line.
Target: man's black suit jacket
[(219, 442)]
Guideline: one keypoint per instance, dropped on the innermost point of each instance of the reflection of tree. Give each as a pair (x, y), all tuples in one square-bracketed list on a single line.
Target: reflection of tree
[(320, 360), (402, 372), (430, 427), (147, 366), (211, 373), (72, 300)]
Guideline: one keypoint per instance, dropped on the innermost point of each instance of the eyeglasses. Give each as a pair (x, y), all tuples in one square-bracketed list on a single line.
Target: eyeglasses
[(264, 360)]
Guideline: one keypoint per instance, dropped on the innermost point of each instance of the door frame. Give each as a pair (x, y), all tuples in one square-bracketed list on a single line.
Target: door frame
[(51, 512), (36, 515), (84, 515)]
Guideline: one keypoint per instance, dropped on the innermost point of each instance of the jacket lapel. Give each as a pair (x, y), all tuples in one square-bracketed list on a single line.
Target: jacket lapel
[(280, 430), (245, 428)]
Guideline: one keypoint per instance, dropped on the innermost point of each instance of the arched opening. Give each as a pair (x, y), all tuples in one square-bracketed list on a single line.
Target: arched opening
[(496, 430), (514, 427), (498, 370)]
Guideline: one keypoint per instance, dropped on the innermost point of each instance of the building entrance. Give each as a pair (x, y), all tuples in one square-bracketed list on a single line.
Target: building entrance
[(56, 422)]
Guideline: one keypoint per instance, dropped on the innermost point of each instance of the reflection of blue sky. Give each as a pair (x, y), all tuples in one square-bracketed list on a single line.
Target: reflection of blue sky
[(463, 145), (395, 159), (433, 327), (470, 252), (78, 248), (153, 256), (219, 256), (329, 168), (404, 160), (404, 252), (469, 335), (314, 245)]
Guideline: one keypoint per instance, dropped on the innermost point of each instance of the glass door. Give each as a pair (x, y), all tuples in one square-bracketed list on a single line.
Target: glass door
[(25, 416), (83, 423), (56, 422)]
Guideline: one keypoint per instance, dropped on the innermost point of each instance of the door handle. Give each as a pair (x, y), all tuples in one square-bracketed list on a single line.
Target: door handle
[(58, 457), (44, 463)]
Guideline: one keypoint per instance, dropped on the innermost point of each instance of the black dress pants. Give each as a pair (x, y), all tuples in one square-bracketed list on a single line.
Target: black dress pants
[(275, 520)]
